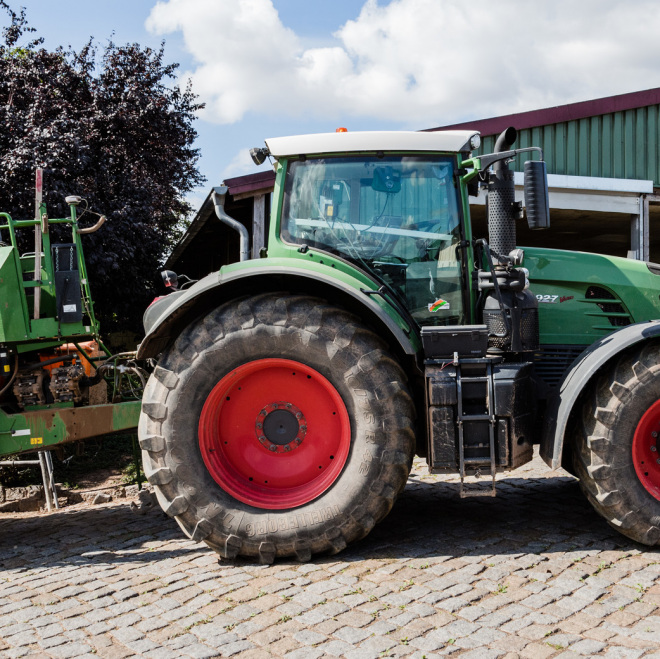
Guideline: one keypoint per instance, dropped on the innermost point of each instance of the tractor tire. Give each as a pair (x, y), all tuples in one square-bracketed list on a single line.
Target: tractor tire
[(277, 426), (617, 453)]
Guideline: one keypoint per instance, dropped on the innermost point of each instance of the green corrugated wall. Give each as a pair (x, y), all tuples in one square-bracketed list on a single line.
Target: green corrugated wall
[(618, 145)]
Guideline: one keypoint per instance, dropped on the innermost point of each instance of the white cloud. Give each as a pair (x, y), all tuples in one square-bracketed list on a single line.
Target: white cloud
[(242, 163), (415, 62)]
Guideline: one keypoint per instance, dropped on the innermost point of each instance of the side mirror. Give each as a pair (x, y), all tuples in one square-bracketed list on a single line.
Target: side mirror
[(537, 200)]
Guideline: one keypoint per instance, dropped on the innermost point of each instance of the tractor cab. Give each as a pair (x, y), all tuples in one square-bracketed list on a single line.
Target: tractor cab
[(396, 216)]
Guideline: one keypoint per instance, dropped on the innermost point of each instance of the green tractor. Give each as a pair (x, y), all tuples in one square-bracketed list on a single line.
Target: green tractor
[(291, 392)]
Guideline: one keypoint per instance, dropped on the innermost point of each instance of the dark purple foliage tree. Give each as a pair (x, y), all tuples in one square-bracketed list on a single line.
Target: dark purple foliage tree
[(119, 133)]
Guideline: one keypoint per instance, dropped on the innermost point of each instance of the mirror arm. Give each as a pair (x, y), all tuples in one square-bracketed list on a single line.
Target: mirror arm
[(486, 161)]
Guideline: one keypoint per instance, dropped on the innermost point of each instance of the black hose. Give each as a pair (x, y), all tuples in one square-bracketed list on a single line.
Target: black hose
[(54, 360)]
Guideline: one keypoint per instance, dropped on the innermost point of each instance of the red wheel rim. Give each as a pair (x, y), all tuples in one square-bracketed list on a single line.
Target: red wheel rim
[(274, 433), (645, 450)]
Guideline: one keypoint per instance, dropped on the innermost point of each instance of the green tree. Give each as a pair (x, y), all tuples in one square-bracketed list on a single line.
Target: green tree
[(116, 130)]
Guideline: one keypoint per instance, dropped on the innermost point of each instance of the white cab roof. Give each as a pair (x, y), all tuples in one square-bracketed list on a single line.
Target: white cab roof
[(451, 141)]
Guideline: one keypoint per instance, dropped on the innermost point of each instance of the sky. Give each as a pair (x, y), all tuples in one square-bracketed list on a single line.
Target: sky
[(266, 68)]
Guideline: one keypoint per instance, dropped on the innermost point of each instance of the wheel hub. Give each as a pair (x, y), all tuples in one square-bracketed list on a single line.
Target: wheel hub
[(645, 450), (266, 452), (280, 427)]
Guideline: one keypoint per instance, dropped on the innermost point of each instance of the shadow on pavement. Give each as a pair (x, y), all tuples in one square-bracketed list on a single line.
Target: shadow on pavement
[(429, 519), (527, 516)]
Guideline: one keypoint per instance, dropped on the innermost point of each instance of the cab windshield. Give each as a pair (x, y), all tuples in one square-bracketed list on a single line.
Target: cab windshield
[(396, 217)]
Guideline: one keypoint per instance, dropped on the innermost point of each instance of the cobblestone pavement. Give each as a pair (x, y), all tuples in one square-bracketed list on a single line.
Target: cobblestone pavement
[(533, 573)]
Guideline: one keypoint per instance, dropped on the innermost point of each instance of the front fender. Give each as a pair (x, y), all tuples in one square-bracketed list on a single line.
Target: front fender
[(167, 317), (577, 378)]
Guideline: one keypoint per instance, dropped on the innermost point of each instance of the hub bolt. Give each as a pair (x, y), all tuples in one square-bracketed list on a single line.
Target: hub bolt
[(654, 434), (654, 449)]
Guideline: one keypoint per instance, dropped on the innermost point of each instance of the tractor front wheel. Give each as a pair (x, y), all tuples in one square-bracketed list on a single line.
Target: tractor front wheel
[(617, 456), (277, 425)]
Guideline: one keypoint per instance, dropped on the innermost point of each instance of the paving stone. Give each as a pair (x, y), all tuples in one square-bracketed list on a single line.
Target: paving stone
[(70, 650), (587, 647), (354, 618), (22, 639), (352, 635), (161, 653), (127, 634), (199, 651), (335, 648), (482, 653), (309, 637), (305, 653), (480, 638), (51, 641), (379, 643), (563, 640), (362, 653), (618, 652)]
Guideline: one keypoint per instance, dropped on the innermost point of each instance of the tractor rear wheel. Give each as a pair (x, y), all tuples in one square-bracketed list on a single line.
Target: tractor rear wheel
[(277, 425), (617, 456)]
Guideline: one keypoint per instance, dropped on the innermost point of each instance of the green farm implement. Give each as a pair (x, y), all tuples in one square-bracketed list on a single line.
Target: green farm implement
[(58, 382)]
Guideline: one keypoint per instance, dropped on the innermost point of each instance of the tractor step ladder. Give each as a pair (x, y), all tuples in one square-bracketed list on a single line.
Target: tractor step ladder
[(486, 489)]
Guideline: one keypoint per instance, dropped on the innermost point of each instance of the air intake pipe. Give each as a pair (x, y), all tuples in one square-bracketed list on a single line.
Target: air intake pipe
[(501, 202), (510, 309)]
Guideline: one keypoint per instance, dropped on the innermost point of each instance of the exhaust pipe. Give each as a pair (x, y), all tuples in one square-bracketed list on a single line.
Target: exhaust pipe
[(218, 196), (501, 200)]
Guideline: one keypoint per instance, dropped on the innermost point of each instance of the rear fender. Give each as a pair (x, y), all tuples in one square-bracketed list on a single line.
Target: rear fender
[(577, 379), (168, 316)]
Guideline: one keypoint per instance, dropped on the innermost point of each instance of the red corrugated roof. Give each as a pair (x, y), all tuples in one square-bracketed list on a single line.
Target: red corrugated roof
[(560, 113)]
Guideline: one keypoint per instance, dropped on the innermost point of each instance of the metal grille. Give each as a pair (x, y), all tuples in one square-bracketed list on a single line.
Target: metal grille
[(501, 227), (551, 362), (495, 324), (616, 307), (530, 329)]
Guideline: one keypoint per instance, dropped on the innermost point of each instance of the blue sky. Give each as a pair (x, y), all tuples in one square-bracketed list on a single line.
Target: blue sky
[(276, 67)]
